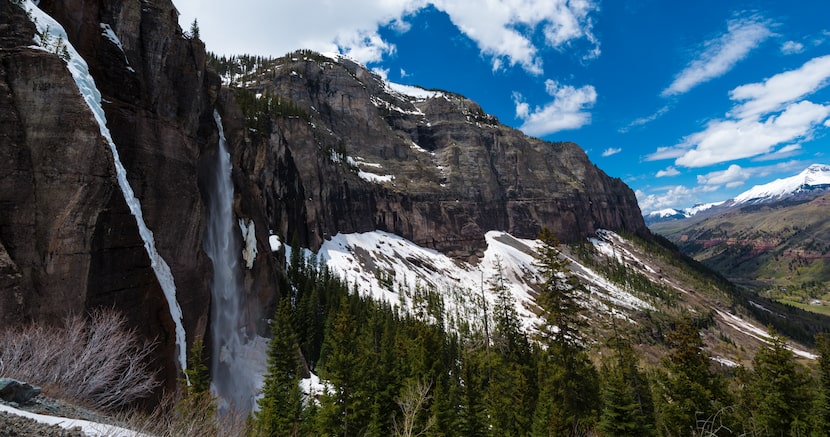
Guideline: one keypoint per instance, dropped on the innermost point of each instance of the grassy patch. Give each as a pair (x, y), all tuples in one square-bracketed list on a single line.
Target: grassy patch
[(818, 309)]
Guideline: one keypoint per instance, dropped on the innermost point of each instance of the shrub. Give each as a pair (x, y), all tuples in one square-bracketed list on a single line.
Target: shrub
[(95, 360)]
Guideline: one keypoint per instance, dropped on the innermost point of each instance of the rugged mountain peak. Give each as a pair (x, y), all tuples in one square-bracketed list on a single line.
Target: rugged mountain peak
[(428, 165), (814, 177)]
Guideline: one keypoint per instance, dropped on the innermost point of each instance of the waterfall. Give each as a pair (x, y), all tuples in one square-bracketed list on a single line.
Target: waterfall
[(231, 384)]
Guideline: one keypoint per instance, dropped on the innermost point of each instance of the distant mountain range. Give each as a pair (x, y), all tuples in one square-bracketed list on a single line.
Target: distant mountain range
[(773, 239), (811, 181)]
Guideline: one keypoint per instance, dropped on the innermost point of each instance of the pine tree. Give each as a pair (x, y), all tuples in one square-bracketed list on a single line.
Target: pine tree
[(341, 367), (281, 403), (197, 371), (690, 396), (628, 409), (511, 393), (780, 391), (197, 403), (823, 398), (569, 384), (194, 29)]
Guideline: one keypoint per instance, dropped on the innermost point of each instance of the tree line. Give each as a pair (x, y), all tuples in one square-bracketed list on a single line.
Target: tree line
[(386, 372)]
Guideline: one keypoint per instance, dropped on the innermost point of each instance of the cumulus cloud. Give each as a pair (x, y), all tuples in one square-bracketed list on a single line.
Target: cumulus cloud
[(676, 196), (611, 151), (767, 114), (669, 171), (732, 177), (502, 29), (719, 55), (792, 47), (566, 111)]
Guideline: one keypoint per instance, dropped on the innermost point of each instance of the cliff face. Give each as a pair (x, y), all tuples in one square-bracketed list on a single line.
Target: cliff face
[(68, 241), (429, 166)]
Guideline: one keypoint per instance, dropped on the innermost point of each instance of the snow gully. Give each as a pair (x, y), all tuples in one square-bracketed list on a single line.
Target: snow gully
[(50, 30)]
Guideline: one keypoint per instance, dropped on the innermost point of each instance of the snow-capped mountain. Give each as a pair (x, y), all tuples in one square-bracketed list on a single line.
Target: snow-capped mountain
[(670, 214), (814, 177)]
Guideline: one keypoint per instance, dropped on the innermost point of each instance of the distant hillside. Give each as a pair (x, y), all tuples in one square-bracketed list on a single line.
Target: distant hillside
[(779, 248)]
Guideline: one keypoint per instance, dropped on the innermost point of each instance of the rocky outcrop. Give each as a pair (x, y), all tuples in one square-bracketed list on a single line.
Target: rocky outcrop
[(355, 155)]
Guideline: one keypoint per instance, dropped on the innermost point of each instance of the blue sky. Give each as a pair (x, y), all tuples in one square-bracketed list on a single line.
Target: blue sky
[(687, 102)]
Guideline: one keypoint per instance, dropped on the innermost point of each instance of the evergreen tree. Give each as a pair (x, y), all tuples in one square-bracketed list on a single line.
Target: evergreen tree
[(197, 403), (690, 396), (569, 385), (342, 368), (823, 398), (511, 393), (628, 409), (194, 29), (281, 403), (197, 371), (558, 297), (779, 390)]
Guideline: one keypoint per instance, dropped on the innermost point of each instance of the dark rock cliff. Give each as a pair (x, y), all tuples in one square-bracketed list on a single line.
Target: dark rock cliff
[(68, 241), (457, 172)]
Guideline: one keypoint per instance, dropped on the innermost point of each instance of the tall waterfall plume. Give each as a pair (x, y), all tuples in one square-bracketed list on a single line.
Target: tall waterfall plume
[(227, 310)]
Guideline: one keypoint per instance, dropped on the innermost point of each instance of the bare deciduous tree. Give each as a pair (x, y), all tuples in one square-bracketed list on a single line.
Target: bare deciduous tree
[(411, 402)]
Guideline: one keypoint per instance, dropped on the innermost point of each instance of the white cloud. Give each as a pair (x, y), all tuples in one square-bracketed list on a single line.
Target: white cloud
[(768, 114), (502, 29), (781, 89), (382, 72), (719, 55), (566, 111), (669, 171), (645, 120), (728, 140), (784, 152), (792, 47), (677, 196), (732, 177), (611, 151), (667, 152)]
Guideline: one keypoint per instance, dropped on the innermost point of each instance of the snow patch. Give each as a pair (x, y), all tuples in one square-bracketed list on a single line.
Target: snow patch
[(413, 91), (87, 427), (274, 242), (249, 238), (757, 333)]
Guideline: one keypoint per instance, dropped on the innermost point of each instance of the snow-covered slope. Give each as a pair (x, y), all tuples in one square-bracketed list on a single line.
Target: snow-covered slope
[(813, 177), (391, 268)]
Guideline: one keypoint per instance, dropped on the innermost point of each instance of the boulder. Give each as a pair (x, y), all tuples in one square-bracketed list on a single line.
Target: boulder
[(12, 390)]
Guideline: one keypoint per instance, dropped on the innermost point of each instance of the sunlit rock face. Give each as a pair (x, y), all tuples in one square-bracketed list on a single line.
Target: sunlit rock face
[(428, 165)]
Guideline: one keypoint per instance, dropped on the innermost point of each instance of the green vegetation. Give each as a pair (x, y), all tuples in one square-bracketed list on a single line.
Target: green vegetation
[(260, 109), (393, 373)]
